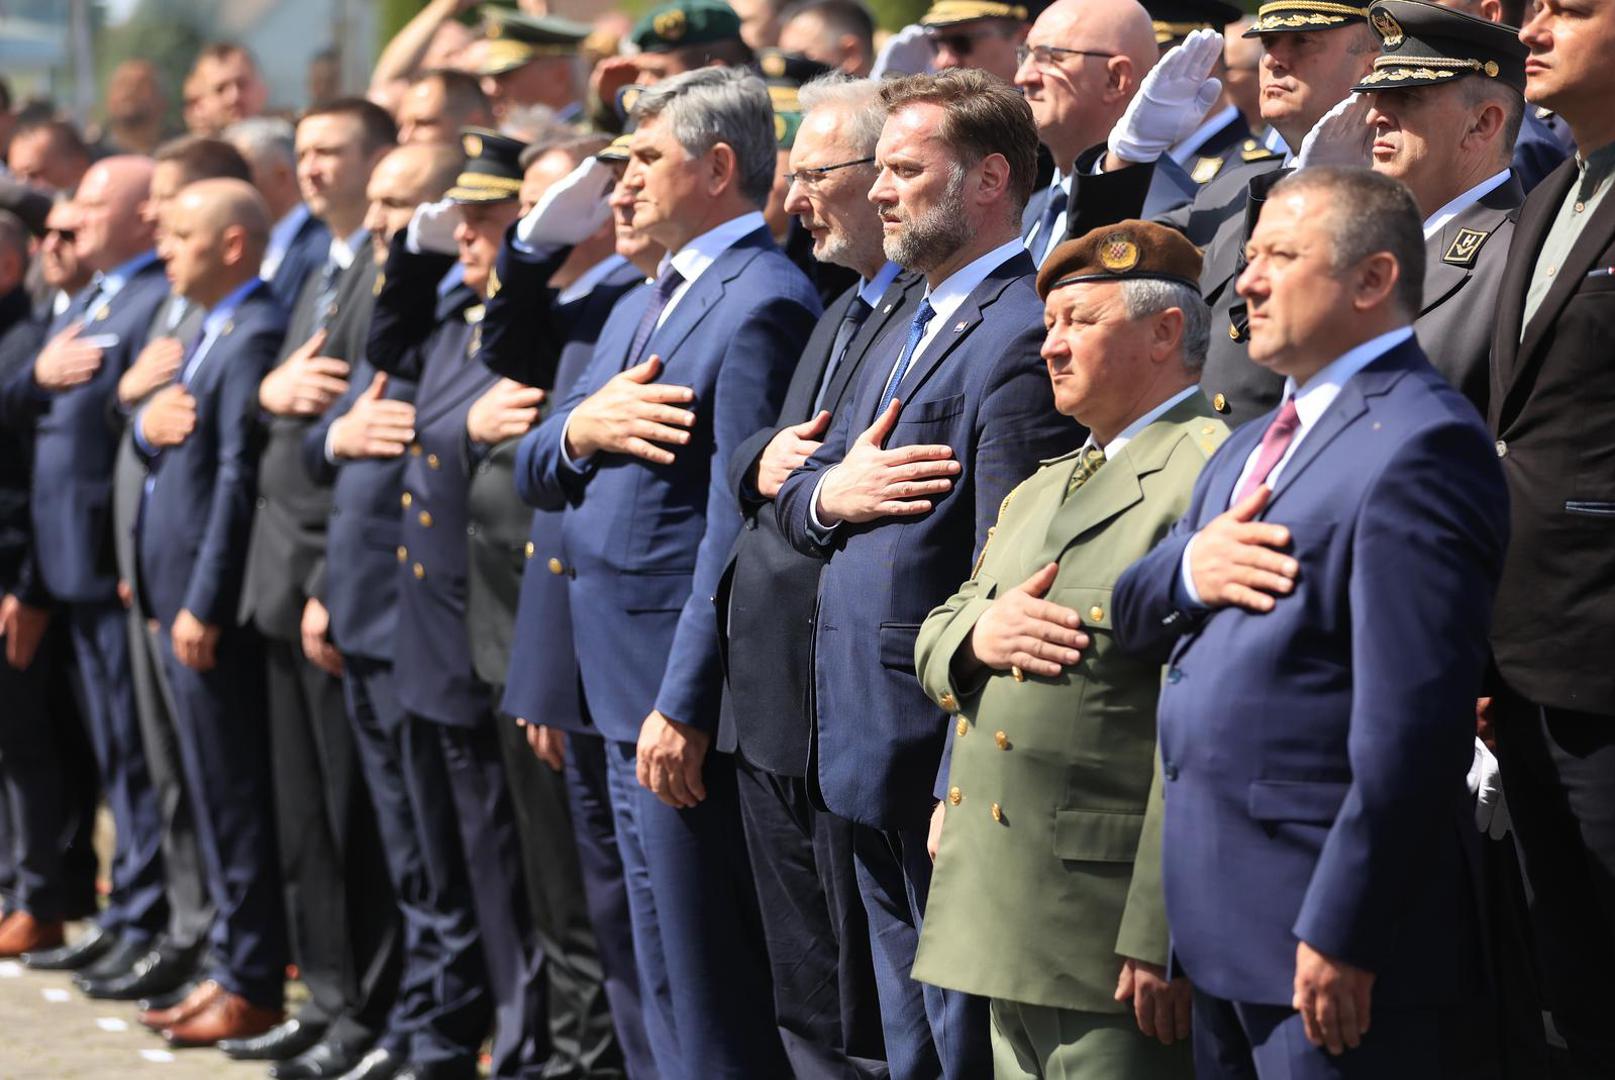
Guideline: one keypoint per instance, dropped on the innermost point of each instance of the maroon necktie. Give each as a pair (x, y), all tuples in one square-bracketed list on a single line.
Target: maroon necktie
[(1275, 441)]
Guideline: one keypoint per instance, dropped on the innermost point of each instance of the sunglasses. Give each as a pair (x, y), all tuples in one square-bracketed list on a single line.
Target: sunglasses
[(960, 43), (66, 236)]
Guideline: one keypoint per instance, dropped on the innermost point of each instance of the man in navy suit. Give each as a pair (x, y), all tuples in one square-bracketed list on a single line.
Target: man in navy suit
[(298, 240), (637, 466), (952, 411), (72, 386), (1325, 602), (199, 438)]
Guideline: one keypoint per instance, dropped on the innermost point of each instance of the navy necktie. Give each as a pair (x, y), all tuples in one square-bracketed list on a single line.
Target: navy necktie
[(916, 331), (851, 321), (1044, 240), (660, 294), (325, 301)]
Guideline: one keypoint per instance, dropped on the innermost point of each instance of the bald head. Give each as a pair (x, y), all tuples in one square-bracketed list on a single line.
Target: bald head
[(111, 231), (214, 236), (1077, 99), (223, 203)]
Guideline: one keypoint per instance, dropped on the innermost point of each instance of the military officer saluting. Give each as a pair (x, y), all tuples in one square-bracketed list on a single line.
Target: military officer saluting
[(1047, 896)]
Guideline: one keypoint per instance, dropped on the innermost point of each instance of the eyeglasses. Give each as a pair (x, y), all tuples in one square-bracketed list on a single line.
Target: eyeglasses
[(809, 177), (1050, 55), (66, 236), (959, 42)]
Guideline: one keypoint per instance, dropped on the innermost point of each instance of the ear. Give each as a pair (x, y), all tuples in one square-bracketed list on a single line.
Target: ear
[(994, 178), (1166, 334), (233, 245), (1377, 276), (1119, 80), (723, 168), (1486, 126)]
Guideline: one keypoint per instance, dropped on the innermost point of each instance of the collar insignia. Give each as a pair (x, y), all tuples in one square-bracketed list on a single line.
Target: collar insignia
[(1465, 246)]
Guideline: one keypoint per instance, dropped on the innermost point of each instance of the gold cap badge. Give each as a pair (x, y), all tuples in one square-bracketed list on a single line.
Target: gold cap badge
[(1118, 254)]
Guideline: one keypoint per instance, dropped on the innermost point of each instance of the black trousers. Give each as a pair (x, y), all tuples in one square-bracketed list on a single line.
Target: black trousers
[(343, 920), (582, 1040), (825, 1001), (1559, 777), (32, 807)]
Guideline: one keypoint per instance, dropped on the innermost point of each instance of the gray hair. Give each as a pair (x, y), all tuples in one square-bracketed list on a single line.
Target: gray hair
[(866, 114), (1368, 213), (709, 106), (1143, 297), (264, 139)]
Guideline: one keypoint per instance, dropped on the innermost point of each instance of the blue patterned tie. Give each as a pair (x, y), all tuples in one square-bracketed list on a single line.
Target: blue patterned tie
[(1043, 240), (916, 331), (660, 294)]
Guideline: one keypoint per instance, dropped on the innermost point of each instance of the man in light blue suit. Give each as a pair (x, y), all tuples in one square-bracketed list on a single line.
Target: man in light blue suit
[(1325, 602), (637, 465), (953, 408)]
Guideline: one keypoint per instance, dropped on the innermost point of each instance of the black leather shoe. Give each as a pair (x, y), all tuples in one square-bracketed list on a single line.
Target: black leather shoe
[(380, 1064), (159, 971), (159, 1002), (85, 950), (325, 1059), (281, 1042), (465, 1069), (117, 960)]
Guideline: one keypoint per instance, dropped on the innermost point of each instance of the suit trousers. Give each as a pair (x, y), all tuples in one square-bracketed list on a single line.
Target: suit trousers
[(514, 961), (224, 747), (81, 788), (190, 906), (605, 891), (442, 1010), (929, 1031), (825, 1001), (32, 788), (1241, 1041), (1559, 778), (1036, 1042), (582, 1042), (341, 914), (101, 644), (703, 965)]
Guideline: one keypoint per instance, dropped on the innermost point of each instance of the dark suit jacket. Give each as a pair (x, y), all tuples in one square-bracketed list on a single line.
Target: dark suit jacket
[(21, 335), (981, 388), (198, 512), (76, 446), (769, 589), (431, 651), (1314, 756), (1169, 188), (286, 556), (642, 546), (306, 254), (1543, 145), (1553, 388)]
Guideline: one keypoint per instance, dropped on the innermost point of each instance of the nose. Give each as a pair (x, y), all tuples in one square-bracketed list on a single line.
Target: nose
[(946, 58), (463, 233), (1250, 283), (880, 191)]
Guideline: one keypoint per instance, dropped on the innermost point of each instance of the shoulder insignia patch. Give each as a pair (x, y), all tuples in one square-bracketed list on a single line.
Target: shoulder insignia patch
[(1253, 150), (381, 282), (1205, 168), (1465, 246)]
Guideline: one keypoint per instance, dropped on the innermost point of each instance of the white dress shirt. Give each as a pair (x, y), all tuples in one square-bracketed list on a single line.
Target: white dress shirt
[(1438, 220), (281, 235)]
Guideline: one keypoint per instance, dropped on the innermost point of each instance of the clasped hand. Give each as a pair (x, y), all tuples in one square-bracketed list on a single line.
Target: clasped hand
[(168, 418), (1234, 561), (156, 366), (376, 426), (305, 383), (507, 410), (1021, 630), (872, 482), (786, 452), (630, 414), (67, 360), (1333, 998), (669, 760)]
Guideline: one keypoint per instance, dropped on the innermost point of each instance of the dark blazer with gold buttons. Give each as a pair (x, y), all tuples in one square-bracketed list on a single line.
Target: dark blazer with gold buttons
[(431, 653), (1049, 867)]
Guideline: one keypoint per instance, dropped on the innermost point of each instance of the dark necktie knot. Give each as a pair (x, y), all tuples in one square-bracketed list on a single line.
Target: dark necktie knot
[(661, 294)]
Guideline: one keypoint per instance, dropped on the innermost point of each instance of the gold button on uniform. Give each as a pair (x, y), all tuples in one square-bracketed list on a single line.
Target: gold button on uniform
[(415, 449), (955, 797), (1220, 403), (947, 701), (403, 553), (1233, 331), (406, 498), (555, 566), (998, 813), (1001, 739), (432, 461), (426, 519), (420, 571), (961, 727), (529, 549), (1096, 614)]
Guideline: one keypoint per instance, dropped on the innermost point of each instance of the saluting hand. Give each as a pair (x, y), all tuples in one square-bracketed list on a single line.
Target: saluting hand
[(1333, 998), (169, 417), (305, 383), (1021, 630), (670, 756), (155, 367), (375, 427), (67, 361), (196, 643), (872, 482), (786, 452), (507, 410), (1162, 1007), (630, 415), (1233, 561)]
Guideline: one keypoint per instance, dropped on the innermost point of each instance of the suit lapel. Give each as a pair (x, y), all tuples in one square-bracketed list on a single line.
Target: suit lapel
[(706, 291), (1595, 237), (815, 356), (890, 308), (1452, 254)]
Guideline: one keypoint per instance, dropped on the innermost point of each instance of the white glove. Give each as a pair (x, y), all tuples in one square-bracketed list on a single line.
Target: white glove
[(432, 228), (907, 52), (1341, 136), (1485, 782), (572, 210), (1172, 100)]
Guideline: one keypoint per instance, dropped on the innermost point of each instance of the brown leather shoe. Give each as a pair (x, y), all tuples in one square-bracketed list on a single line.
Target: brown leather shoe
[(227, 1016), (21, 933), (195, 1002)]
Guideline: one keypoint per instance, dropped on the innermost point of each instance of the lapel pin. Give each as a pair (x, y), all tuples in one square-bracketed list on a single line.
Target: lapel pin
[(959, 328), (229, 325), (887, 310)]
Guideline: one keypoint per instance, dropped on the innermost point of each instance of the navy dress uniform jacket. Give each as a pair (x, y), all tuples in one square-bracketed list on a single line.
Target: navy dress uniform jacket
[(982, 388), (642, 546), (1314, 756), (431, 655)]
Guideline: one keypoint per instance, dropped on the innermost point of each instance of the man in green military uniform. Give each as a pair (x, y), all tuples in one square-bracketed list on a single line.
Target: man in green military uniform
[(1047, 894)]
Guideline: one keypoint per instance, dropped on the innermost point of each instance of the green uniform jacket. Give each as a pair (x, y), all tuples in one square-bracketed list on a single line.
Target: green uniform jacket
[(1049, 866)]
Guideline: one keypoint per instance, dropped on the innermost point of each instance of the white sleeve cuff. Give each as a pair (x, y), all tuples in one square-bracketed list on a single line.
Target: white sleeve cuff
[(1187, 576)]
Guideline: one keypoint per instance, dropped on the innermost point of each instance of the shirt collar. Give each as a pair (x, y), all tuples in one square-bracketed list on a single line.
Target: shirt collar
[(1131, 431), (344, 248), (284, 231), (114, 280), (221, 312), (591, 277), (872, 290), (1202, 134), (1596, 167), (951, 292), (1321, 390), (692, 260), (1440, 219)]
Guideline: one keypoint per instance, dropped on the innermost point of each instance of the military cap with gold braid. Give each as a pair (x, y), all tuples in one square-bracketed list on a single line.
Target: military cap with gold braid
[(1126, 251), (617, 150), (515, 38), (953, 12), (685, 22), (784, 73), (1175, 20), (492, 172), (1425, 45), (1279, 16)]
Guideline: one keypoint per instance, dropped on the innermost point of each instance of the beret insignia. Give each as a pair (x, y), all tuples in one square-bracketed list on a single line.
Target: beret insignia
[(1386, 26), (1118, 254), (670, 25)]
